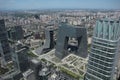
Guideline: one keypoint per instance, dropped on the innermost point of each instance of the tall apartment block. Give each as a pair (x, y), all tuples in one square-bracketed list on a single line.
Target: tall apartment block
[(103, 63), (4, 42)]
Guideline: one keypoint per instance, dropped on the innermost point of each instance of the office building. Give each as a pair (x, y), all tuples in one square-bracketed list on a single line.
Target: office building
[(36, 66), (15, 58), (71, 39), (49, 41), (4, 42), (20, 57), (3, 62), (16, 33), (103, 63)]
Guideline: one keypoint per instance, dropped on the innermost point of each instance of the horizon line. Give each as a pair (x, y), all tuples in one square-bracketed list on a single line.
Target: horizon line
[(60, 8)]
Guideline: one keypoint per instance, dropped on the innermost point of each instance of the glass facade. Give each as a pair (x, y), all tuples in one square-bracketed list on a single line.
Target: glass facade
[(104, 50), (4, 42)]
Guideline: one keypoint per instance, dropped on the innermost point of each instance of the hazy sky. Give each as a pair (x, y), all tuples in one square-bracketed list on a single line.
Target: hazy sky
[(48, 4)]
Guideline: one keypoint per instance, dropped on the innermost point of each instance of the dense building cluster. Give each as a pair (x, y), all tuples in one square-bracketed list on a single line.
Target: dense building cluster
[(60, 45)]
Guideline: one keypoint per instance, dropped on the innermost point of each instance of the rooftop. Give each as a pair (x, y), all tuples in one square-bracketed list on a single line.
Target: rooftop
[(72, 62)]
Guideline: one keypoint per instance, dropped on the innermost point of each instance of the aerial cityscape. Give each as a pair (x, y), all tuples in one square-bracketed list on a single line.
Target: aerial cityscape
[(59, 40)]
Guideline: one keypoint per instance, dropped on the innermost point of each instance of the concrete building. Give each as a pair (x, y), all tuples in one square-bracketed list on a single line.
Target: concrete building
[(4, 42), (35, 43), (103, 63), (29, 75), (71, 39)]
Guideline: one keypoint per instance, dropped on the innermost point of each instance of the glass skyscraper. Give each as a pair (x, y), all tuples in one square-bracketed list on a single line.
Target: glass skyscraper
[(5, 53), (105, 50)]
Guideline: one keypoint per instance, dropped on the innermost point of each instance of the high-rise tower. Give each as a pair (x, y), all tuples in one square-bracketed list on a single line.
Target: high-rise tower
[(105, 50), (49, 41), (71, 39), (4, 42)]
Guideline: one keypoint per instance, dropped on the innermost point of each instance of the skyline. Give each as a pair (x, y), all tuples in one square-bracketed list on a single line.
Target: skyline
[(54, 4)]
